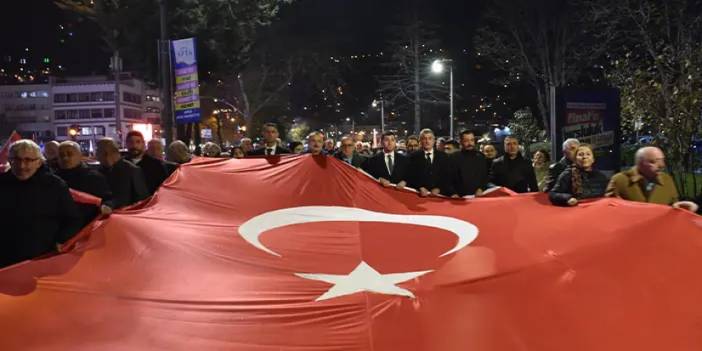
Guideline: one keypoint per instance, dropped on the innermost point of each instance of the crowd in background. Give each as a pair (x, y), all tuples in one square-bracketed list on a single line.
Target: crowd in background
[(39, 213)]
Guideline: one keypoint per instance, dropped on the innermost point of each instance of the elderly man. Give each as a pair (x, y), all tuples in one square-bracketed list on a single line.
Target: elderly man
[(555, 170), (348, 153), (270, 142), (647, 181), (388, 166), (80, 177), (513, 171), (154, 148), (154, 169), (246, 145), (36, 211), (178, 152), (329, 146), (125, 179), (51, 154), (315, 143), (430, 171)]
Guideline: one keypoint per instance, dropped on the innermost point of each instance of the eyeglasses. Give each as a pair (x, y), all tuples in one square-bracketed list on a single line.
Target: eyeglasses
[(20, 160)]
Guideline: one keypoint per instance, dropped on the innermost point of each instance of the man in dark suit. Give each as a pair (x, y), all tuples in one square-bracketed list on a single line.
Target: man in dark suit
[(348, 154), (270, 142), (512, 170), (430, 171), (388, 166), (154, 170), (471, 167), (125, 179)]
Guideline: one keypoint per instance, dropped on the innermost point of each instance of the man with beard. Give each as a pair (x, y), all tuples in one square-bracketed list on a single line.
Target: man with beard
[(80, 177), (36, 211), (471, 167), (412, 144), (154, 170)]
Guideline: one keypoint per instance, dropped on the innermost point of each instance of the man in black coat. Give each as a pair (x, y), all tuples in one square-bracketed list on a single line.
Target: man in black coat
[(347, 152), (80, 177), (430, 171), (471, 167), (270, 142), (36, 208), (388, 166), (154, 170), (512, 170), (125, 179), (555, 170)]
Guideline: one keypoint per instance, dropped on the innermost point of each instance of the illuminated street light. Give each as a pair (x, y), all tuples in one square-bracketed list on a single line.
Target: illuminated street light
[(375, 104), (438, 67)]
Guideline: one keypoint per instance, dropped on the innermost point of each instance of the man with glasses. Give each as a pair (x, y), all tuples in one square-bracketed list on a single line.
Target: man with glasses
[(347, 152), (36, 211)]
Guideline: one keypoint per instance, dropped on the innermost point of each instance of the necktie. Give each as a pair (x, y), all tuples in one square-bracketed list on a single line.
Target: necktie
[(390, 164), (428, 154), (269, 151)]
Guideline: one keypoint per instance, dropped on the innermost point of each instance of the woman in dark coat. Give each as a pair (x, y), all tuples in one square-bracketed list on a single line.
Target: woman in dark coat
[(581, 181)]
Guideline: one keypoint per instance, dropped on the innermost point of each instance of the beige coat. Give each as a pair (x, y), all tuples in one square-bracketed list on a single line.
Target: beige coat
[(629, 185)]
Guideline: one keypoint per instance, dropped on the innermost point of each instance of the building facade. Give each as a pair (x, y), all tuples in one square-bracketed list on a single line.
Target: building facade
[(83, 109)]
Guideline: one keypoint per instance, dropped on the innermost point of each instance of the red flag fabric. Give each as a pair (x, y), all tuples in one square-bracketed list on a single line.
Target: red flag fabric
[(85, 198), (307, 253), (4, 151)]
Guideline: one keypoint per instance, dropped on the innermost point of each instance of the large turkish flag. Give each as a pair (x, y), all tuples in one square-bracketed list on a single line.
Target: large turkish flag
[(307, 253)]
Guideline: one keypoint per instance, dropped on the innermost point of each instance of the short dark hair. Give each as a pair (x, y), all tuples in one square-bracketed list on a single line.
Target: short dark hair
[(511, 137), (547, 155), (452, 142), (133, 133), (270, 124), (412, 137), (293, 144), (466, 132), (388, 133)]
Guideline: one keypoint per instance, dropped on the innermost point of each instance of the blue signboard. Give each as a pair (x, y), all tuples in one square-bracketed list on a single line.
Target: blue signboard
[(187, 90), (592, 117)]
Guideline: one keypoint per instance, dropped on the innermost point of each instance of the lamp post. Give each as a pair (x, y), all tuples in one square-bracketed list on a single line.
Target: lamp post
[(375, 104), (438, 67)]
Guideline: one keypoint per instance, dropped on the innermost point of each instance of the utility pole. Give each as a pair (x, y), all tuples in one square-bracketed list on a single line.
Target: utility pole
[(165, 64)]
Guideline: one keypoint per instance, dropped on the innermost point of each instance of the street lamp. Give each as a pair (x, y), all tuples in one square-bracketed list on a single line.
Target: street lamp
[(375, 104), (438, 67)]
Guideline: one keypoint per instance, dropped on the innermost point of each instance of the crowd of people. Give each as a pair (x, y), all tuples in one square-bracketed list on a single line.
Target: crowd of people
[(39, 213)]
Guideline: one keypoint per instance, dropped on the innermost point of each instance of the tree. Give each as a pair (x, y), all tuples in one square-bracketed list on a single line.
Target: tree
[(544, 43), (526, 128), (409, 84), (657, 68)]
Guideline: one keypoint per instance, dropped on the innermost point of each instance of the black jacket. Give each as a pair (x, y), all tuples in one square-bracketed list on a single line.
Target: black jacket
[(126, 183), (376, 167), (440, 174), (471, 172), (356, 160), (554, 171), (262, 151), (89, 181), (35, 215), (154, 171), (517, 174), (594, 184)]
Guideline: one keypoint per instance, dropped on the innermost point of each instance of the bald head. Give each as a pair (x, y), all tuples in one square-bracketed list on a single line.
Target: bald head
[(107, 152), (51, 150), (650, 161)]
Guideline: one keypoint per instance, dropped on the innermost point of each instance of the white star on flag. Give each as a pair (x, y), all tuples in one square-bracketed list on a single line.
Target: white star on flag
[(363, 278)]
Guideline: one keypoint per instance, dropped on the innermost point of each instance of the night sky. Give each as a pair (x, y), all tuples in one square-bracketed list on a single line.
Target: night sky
[(341, 27)]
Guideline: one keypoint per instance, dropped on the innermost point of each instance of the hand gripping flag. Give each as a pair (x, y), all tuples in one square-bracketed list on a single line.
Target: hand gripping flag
[(307, 253)]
